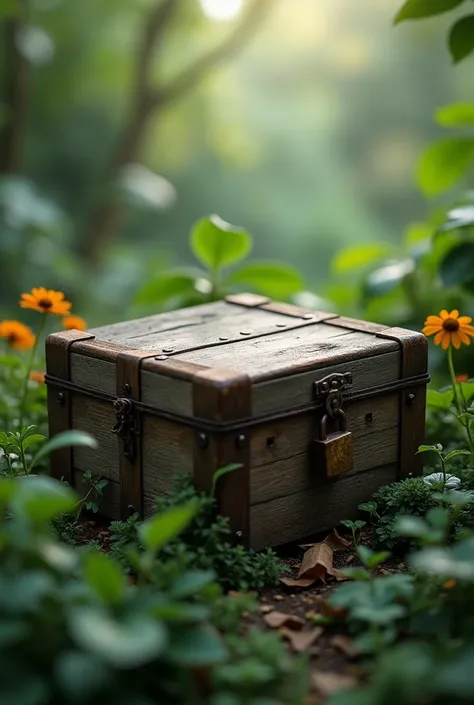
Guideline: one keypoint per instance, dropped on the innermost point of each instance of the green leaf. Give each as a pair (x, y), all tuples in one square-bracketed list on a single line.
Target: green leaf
[(418, 9), (192, 582), (217, 244), (378, 558), (379, 614), (455, 115), (427, 449), (356, 573), (457, 268), (162, 528), (81, 675), (411, 526), (357, 256), (439, 401), (461, 38), (36, 438), (41, 498), (10, 8), (64, 440), (105, 577), (166, 287), (365, 554), (455, 453), (274, 279), (191, 647), (444, 163), (127, 643), (221, 472)]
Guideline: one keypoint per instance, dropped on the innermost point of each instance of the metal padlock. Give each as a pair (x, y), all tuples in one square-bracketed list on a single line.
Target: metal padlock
[(334, 452)]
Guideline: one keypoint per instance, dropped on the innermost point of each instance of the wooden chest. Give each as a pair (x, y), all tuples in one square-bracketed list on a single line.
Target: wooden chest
[(318, 410)]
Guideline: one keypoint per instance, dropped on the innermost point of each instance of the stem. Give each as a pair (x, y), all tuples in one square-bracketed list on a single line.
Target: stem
[(29, 367), (458, 399), (443, 468)]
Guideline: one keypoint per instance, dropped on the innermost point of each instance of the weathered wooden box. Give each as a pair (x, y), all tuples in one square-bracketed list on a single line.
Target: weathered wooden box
[(319, 410)]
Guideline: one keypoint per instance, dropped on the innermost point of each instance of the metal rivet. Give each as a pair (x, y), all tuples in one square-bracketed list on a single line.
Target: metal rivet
[(307, 317), (410, 474), (244, 332), (161, 357), (167, 350), (61, 397), (223, 337), (411, 398), (281, 325), (239, 534), (240, 441), (127, 388), (131, 509), (203, 440)]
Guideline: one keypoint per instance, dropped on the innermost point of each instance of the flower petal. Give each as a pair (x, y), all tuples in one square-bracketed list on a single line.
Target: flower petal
[(439, 337), (431, 330), (464, 338), (444, 314), (455, 340), (435, 321), (446, 342), (454, 314), (464, 320)]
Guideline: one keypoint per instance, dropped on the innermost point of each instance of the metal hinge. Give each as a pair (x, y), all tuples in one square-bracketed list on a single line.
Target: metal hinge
[(126, 426), (329, 390)]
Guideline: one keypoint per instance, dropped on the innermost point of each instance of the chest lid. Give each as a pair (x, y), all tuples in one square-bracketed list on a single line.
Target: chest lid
[(244, 358)]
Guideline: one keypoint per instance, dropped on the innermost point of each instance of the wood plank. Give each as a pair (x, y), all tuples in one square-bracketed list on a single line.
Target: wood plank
[(285, 438), (97, 418), (299, 515), (296, 390), (298, 473), (167, 450), (92, 373), (169, 321), (292, 352), (167, 393)]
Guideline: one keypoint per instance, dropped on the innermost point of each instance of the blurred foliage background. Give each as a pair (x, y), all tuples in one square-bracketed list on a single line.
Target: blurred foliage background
[(123, 122)]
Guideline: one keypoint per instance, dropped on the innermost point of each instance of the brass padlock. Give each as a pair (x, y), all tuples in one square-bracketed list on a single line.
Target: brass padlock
[(333, 453)]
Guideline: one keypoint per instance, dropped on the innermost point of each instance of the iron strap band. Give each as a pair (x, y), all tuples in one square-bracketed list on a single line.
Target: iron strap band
[(216, 427)]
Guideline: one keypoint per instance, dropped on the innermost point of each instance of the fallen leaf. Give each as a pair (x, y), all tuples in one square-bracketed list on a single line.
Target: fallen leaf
[(344, 644), (328, 683), (301, 640), (298, 582), (328, 610), (350, 558), (279, 598), (449, 584), (318, 563), (265, 609), (281, 619), (337, 542)]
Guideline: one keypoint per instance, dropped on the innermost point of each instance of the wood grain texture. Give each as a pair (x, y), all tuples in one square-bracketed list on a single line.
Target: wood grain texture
[(292, 352), (292, 517), (167, 393), (296, 390), (222, 395), (167, 450), (286, 438), (299, 473), (93, 373), (97, 418)]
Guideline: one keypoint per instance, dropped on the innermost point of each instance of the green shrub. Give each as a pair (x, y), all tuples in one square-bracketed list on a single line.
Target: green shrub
[(205, 544)]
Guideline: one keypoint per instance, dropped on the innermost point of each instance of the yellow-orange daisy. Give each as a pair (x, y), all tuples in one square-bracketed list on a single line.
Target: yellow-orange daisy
[(449, 329), (463, 377), (74, 323), (46, 301), (37, 376), (18, 336)]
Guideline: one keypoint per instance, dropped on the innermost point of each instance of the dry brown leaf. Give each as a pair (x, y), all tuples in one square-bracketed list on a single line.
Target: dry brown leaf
[(317, 562), (350, 558), (337, 542), (275, 620), (328, 683), (344, 644), (328, 610), (302, 640), (298, 582)]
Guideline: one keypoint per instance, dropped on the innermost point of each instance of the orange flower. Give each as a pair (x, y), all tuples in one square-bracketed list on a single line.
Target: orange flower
[(46, 301), (449, 329), (19, 336), (37, 377), (74, 323), (464, 377)]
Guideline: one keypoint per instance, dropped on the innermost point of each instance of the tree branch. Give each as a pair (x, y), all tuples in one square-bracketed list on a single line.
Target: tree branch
[(188, 79)]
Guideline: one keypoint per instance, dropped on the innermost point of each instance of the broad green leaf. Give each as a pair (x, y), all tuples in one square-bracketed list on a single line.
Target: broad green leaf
[(467, 390), (444, 163), (129, 642), (192, 582), (8, 489), (417, 233), (455, 453), (105, 577), (388, 277), (378, 558), (462, 217), (461, 38), (42, 498), (357, 256), (455, 115), (166, 287), (10, 8), (162, 528), (365, 554), (36, 438), (65, 439), (356, 573), (438, 518), (191, 647), (411, 526), (81, 675), (217, 244), (457, 268), (221, 472), (376, 614), (274, 279), (439, 401), (427, 449), (418, 9)]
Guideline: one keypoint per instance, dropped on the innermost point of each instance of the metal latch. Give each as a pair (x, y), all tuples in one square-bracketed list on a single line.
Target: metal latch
[(126, 425), (333, 452)]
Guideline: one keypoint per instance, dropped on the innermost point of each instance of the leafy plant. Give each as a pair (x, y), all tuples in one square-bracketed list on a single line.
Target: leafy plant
[(355, 527), (218, 245)]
